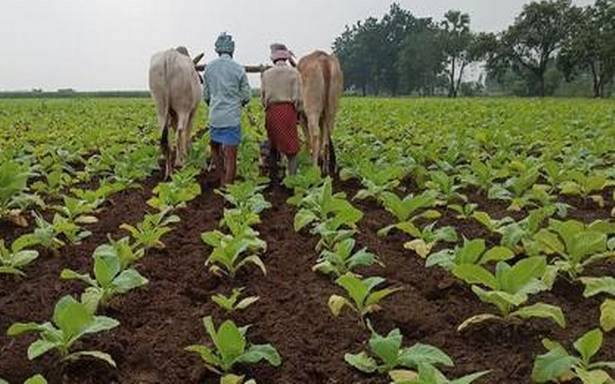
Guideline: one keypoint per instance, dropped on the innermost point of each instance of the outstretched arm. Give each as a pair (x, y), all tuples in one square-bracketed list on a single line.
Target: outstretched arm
[(244, 89)]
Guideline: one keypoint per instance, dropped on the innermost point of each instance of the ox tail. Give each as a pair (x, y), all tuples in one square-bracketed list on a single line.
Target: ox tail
[(166, 102), (329, 111)]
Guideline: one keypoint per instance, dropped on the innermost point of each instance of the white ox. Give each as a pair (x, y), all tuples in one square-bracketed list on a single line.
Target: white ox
[(176, 89)]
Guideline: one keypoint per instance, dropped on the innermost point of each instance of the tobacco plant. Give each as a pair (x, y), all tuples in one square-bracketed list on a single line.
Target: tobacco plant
[(14, 196), (149, 232), (108, 281), (230, 347), (71, 321), (473, 252), (233, 303), (558, 365), (576, 245), (231, 253), (386, 355), (508, 290), (363, 297), (405, 210), (15, 258), (602, 285), (427, 237), (343, 259)]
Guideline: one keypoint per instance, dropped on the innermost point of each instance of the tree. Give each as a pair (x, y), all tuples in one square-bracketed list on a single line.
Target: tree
[(421, 61), (590, 46), (456, 42), (529, 44)]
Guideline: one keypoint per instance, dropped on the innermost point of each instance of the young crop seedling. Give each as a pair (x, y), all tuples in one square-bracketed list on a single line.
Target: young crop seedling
[(375, 178), (465, 211), (245, 196), (386, 355), (71, 230), (342, 259), (149, 232), (71, 321), (15, 258), (231, 253), (428, 237), (493, 225), (473, 252), (445, 188), (515, 188), (586, 186), (557, 365), (321, 204), (126, 253), (508, 290), (302, 183), (576, 245), (233, 303), (175, 194), (602, 285), (363, 297), (14, 197), (76, 211), (109, 280), (36, 379), (230, 348), (482, 175), (405, 210), (519, 235), (53, 184)]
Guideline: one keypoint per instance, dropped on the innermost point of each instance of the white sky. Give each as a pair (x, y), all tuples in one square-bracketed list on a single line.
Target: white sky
[(106, 44)]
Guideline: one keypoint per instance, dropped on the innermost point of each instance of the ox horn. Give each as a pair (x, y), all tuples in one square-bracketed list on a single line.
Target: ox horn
[(198, 58)]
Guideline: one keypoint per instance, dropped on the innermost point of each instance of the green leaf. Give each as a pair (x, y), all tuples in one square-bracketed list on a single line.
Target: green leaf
[(587, 244), (20, 328), (552, 365), (497, 254), (607, 315), (256, 261), (375, 297), (589, 344), (230, 342), (256, 353), (210, 359), (523, 273), (475, 274), (467, 379), (100, 324), (36, 379), (470, 252), (549, 242), (361, 361), (40, 347), (71, 316), (477, 319), (424, 354), (106, 267), (597, 285), (336, 304), (386, 348), (95, 354), (129, 279), (544, 311), (303, 218)]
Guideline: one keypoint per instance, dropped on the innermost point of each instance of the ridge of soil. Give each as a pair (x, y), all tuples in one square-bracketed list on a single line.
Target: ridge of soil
[(159, 320)]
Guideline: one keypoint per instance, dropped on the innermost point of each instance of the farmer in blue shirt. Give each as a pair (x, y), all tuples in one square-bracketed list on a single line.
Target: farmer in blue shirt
[(225, 90)]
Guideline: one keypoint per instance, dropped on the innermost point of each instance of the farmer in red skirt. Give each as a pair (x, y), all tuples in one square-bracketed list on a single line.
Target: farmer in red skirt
[(281, 97)]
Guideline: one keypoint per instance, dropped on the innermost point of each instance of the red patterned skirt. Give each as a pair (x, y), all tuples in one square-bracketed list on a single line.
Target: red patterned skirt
[(281, 123)]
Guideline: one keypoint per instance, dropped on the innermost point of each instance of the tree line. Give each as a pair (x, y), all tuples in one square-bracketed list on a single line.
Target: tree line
[(550, 41)]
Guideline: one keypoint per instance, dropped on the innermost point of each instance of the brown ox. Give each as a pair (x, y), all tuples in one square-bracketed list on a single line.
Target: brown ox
[(176, 90), (323, 83)]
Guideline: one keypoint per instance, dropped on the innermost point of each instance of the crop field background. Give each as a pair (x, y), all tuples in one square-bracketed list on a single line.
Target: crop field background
[(438, 197)]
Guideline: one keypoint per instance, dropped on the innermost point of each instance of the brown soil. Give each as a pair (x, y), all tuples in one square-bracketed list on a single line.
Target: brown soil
[(158, 321)]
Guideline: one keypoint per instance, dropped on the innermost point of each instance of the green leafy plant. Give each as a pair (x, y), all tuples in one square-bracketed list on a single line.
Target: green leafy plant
[(36, 379), (584, 185), (149, 232), (122, 249), (445, 187), (493, 225), (231, 253), (76, 210), (175, 194), (405, 209), (557, 365), (508, 289), (342, 259), (230, 347), (386, 354), (602, 285), (71, 321), (46, 234), (232, 303), (472, 252), (302, 182), (108, 281), (427, 237), (376, 178), (53, 184), (576, 245), (14, 197), (464, 212), (246, 196), (363, 297), (15, 258)]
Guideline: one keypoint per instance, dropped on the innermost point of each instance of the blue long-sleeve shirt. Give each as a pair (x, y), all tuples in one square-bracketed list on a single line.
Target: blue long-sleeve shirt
[(225, 90)]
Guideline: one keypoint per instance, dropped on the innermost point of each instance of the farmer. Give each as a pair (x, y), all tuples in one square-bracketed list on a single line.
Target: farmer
[(281, 97), (225, 90)]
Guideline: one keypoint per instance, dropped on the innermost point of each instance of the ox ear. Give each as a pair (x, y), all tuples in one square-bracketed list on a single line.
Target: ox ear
[(198, 58)]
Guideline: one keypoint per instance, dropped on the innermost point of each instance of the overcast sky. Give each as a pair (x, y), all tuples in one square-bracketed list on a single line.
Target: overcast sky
[(107, 44)]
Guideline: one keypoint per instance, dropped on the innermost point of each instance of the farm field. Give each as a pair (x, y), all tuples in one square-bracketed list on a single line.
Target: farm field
[(501, 208)]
